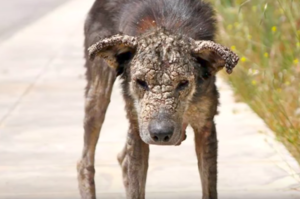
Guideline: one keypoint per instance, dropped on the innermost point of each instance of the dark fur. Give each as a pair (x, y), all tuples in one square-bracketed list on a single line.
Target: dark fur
[(193, 18), (115, 16)]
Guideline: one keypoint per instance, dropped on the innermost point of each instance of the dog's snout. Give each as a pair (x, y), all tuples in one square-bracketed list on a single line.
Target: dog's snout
[(161, 131)]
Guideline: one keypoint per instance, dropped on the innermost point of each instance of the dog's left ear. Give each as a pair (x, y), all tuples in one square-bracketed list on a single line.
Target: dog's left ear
[(215, 55), (114, 50)]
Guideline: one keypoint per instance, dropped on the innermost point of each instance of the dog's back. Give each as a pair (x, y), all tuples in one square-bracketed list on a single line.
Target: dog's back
[(193, 18)]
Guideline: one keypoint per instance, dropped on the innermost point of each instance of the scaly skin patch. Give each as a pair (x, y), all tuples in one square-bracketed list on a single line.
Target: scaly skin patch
[(163, 61), (164, 74), (168, 81)]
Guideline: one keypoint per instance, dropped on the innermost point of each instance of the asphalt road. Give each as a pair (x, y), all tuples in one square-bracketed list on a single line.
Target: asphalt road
[(16, 14)]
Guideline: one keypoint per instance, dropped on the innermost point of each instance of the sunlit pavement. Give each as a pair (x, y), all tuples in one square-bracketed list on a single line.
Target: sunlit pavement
[(41, 112), (16, 14)]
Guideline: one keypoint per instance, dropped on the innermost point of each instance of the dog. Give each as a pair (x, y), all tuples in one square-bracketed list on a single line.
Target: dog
[(165, 54)]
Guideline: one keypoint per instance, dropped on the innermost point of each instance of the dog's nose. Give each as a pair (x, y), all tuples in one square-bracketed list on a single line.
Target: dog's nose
[(161, 131)]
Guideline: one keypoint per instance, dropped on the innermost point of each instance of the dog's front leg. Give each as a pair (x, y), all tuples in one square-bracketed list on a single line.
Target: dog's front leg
[(134, 162), (206, 145), (97, 100)]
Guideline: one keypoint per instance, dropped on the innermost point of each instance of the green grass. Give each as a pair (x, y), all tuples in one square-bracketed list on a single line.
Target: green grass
[(266, 36)]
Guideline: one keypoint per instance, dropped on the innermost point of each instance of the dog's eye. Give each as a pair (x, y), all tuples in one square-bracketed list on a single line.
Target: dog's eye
[(142, 84), (182, 85)]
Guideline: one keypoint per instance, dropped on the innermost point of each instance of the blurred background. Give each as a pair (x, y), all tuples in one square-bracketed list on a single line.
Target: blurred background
[(266, 34), (16, 14), (42, 99)]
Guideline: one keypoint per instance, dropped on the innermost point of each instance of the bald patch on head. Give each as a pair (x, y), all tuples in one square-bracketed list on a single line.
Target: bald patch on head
[(145, 24)]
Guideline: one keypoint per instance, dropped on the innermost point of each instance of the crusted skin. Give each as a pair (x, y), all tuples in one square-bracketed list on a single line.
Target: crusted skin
[(228, 58), (162, 61), (102, 46), (167, 61)]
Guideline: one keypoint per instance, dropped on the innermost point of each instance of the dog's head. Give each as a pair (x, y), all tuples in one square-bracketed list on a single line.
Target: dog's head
[(163, 71)]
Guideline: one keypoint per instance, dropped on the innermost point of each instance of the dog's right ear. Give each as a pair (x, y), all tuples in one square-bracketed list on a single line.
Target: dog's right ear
[(115, 50)]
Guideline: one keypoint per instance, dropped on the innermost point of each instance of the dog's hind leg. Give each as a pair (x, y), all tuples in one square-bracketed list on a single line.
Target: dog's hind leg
[(100, 83), (206, 145), (133, 159)]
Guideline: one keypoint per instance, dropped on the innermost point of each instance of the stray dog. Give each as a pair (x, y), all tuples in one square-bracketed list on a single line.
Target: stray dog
[(163, 50)]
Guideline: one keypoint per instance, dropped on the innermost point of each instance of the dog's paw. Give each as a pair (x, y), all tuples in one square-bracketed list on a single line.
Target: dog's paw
[(86, 180)]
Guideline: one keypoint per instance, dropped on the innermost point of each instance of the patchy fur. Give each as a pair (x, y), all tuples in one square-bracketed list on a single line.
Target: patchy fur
[(168, 69)]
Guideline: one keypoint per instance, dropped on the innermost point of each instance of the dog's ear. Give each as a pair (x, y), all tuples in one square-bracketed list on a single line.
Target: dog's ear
[(215, 56), (115, 50)]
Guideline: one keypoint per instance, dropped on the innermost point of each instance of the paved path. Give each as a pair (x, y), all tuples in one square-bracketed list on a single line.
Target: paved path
[(41, 112), (15, 14)]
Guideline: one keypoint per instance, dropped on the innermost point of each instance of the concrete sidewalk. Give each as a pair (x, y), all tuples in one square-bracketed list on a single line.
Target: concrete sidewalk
[(41, 112)]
